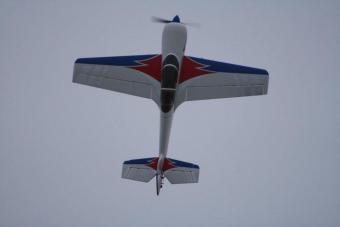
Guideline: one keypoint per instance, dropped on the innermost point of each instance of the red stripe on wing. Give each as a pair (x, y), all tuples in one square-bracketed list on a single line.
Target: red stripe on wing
[(166, 165), (191, 69), (151, 66)]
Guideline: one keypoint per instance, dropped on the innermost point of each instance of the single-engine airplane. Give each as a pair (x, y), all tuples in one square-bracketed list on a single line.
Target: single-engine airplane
[(169, 79)]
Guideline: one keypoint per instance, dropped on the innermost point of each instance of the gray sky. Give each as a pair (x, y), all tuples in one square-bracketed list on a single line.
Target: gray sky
[(265, 161)]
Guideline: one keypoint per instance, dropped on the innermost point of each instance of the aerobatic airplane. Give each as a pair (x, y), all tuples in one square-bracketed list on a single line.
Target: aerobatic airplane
[(169, 79)]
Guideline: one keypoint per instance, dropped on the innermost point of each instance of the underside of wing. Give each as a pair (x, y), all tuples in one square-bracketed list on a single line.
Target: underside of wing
[(205, 79), (135, 75)]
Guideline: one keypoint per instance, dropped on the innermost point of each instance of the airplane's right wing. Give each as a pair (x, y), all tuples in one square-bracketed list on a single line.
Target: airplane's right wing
[(205, 79), (137, 75)]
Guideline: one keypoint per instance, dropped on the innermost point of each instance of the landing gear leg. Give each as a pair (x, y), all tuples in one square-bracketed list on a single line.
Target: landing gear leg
[(159, 182)]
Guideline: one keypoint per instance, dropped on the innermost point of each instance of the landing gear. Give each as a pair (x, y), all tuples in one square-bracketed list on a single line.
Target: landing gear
[(159, 182), (162, 180)]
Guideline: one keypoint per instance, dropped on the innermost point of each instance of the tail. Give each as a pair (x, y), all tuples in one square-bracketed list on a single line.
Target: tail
[(177, 172)]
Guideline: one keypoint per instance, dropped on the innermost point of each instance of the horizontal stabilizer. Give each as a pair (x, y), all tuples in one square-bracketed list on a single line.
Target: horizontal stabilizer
[(138, 170), (182, 172), (177, 172)]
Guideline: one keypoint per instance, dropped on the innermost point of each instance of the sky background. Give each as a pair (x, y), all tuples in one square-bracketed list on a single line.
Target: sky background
[(269, 160)]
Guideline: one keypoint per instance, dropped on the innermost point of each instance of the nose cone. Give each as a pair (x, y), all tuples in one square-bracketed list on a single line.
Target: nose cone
[(176, 19)]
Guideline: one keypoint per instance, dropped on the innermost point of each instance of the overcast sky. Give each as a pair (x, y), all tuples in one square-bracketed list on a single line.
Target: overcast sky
[(269, 160)]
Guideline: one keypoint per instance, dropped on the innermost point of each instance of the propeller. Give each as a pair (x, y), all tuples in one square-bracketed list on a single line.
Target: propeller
[(160, 20), (176, 19)]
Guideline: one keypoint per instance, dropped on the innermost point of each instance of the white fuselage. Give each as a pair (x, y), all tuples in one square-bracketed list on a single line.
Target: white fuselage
[(174, 39)]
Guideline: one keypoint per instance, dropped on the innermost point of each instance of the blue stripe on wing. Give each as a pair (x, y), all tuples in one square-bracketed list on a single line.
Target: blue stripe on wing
[(216, 66), (142, 161), (178, 163), (118, 60)]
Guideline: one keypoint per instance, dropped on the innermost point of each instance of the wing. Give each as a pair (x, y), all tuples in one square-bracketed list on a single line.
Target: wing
[(205, 79), (137, 75)]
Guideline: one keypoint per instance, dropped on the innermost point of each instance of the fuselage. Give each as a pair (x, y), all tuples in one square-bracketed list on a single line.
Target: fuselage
[(174, 39)]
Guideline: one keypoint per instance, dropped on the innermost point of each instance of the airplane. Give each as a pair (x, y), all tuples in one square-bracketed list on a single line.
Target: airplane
[(169, 79)]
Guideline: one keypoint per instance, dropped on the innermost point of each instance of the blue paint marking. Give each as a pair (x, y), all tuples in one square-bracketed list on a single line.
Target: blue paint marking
[(119, 60), (227, 67), (176, 19), (178, 163), (142, 161)]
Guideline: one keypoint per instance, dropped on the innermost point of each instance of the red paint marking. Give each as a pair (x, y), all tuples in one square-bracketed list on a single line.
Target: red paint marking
[(191, 69), (166, 165), (153, 163), (151, 66)]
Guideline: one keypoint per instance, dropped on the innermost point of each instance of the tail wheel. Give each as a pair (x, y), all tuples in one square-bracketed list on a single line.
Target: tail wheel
[(159, 182)]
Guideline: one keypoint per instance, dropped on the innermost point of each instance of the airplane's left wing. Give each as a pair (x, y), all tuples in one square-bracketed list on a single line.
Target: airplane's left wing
[(137, 75), (206, 79)]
